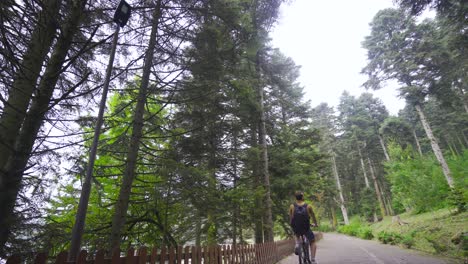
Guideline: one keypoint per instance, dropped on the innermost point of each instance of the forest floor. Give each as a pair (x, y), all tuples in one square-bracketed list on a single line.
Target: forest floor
[(432, 232), (337, 248)]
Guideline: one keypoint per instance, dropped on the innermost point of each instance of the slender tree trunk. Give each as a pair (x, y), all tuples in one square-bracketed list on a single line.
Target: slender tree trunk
[(416, 140), (258, 212), (388, 209), (264, 157), (435, 146), (17, 163), (462, 145), (198, 229), (382, 144), (236, 214), (377, 190), (363, 167), (464, 138), (24, 84), (334, 221), (121, 206), (344, 211), (464, 98)]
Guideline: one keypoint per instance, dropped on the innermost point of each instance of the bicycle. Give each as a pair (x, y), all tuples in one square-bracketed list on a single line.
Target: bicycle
[(304, 256)]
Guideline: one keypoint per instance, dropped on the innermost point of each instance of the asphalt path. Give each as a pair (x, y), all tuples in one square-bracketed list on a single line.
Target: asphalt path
[(337, 248)]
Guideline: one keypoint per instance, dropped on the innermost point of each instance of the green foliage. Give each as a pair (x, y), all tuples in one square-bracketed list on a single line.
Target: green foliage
[(368, 204), (353, 228), (438, 232), (357, 228), (407, 240), (325, 228), (365, 232), (388, 237), (457, 199), (417, 181)]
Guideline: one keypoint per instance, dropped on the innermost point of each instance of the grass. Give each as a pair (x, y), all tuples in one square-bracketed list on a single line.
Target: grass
[(429, 232)]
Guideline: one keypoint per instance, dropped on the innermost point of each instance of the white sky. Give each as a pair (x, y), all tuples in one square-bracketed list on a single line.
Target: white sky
[(324, 37)]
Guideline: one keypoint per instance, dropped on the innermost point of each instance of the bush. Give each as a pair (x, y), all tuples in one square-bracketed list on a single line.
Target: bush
[(389, 237), (351, 230), (325, 228), (407, 241), (365, 232), (457, 199)]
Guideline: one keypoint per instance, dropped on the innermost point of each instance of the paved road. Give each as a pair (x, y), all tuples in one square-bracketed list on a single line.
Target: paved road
[(336, 248)]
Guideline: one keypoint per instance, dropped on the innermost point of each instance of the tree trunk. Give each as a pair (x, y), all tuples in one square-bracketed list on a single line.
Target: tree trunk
[(24, 84), (382, 144), (268, 224), (363, 168), (198, 229), (334, 221), (17, 163), (236, 214), (464, 98), (416, 140), (121, 206), (258, 212), (388, 206), (80, 217), (344, 211), (435, 146), (377, 190)]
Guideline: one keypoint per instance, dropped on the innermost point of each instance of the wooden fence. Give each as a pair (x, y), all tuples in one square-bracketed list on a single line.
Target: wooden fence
[(267, 253)]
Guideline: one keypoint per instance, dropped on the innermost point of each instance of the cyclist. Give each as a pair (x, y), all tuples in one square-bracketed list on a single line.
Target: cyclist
[(299, 216)]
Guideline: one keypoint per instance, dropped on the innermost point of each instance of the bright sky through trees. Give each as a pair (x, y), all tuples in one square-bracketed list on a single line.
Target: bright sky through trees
[(324, 37)]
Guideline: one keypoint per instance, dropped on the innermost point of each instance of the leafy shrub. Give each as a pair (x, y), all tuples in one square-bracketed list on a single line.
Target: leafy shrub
[(351, 230), (407, 240), (325, 228), (365, 232), (389, 237), (457, 199), (417, 182)]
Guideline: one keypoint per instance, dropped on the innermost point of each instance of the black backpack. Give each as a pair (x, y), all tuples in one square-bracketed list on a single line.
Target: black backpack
[(301, 220)]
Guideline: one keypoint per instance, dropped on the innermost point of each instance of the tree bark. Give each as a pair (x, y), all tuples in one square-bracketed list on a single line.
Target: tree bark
[(268, 225), (382, 143), (257, 214), (363, 168), (464, 98), (416, 140), (435, 146), (24, 83), (377, 190), (17, 163), (334, 222), (344, 211), (121, 206)]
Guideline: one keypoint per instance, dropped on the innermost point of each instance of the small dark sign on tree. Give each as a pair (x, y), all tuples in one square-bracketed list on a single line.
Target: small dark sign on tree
[(122, 13)]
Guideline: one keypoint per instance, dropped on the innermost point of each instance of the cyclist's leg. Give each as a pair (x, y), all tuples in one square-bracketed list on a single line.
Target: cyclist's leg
[(297, 245), (313, 246), (305, 249)]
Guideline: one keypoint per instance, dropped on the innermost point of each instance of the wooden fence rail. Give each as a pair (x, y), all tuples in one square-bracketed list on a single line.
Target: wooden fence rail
[(267, 253)]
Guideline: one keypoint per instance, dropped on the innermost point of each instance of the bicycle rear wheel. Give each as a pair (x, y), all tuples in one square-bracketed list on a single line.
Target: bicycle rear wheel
[(305, 250)]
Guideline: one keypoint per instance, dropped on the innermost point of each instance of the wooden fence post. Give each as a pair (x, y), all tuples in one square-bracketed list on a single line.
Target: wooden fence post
[(142, 253), (15, 259), (99, 258), (61, 257), (41, 258), (115, 259), (162, 258), (81, 259), (186, 255)]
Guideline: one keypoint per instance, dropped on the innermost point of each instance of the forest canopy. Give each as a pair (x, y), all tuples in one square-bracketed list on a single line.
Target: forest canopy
[(206, 132)]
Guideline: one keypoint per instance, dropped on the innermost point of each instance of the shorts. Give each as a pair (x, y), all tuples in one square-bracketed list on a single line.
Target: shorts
[(309, 234)]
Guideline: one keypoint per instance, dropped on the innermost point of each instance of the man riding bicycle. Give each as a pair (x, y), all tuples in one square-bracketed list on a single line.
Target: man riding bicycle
[(299, 216)]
